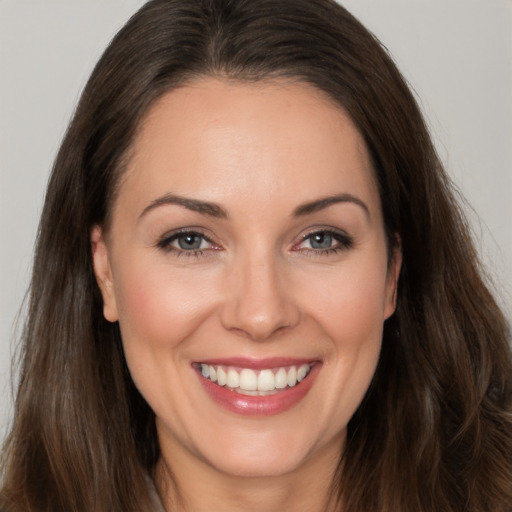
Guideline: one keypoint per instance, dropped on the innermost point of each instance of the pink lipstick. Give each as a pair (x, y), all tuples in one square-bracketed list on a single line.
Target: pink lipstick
[(257, 387)]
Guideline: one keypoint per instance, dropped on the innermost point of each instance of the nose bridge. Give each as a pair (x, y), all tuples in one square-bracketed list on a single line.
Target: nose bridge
[(258, 304)]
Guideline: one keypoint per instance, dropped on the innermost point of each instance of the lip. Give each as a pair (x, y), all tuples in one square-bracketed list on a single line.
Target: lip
[(259, 405), (258, 364)]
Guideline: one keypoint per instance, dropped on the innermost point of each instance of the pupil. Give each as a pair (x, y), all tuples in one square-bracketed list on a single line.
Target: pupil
[(321, 241), (189, 242)]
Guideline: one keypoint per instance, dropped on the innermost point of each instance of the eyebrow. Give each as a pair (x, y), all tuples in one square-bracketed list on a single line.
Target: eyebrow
[(320, 204), (203, 207), (214, 210)]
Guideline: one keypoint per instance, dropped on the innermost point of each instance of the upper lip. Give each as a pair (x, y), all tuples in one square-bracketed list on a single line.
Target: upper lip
[(256, 363)]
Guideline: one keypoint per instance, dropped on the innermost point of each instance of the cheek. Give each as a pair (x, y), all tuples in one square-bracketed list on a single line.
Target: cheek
[(351, 316), (159, 309), (159, 314), (350, 303), (349, 307)]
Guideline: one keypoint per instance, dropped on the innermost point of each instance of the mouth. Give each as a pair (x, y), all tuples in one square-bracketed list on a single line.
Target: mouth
[(251, 387), (247, 381)]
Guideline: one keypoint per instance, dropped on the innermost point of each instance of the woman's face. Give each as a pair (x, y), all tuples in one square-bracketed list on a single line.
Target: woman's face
[(247, 266)]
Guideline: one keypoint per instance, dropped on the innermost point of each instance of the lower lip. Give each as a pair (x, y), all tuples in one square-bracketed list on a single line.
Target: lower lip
[(260, 405)]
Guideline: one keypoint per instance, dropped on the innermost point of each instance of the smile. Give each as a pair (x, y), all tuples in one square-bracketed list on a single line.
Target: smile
[(247, 381), (257, 388)]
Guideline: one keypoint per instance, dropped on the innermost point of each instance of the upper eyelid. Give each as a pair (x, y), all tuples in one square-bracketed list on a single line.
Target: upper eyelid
[(328, 230), (297, 239), (185, 231), (341, 237), (310, 231), (165, 241)]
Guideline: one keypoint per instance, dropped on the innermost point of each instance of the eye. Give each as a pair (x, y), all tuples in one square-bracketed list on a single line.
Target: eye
[(324, 242), (190, 242), (187, 242)]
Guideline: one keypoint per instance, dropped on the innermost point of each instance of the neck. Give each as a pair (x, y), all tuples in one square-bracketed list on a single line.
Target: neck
[(190, 485)]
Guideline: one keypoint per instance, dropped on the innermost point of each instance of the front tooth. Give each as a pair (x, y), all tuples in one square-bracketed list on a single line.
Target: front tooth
[(233, 379), (302, 372), (213, 374), (266, 381), (221, 376), (205, 370), (292, 376), (281, 378), (248, 380)]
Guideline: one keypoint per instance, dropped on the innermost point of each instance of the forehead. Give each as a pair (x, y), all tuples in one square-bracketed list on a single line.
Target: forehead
[(211, 137)]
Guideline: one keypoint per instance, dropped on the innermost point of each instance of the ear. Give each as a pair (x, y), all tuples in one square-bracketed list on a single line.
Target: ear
[(394, 266), (103, 273)]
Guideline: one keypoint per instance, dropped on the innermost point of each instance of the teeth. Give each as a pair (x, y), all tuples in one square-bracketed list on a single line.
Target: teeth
[(221, 376), (233, 379), (254, 393), (292, 376), (302, 372), (250, 382), (281, 379), (266, 381)]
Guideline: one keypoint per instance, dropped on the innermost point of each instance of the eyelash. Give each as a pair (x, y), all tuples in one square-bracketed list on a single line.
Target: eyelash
[(167, 240), (342, 242)]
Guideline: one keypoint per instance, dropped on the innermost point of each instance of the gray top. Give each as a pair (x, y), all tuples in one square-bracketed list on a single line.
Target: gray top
[(155, 499)]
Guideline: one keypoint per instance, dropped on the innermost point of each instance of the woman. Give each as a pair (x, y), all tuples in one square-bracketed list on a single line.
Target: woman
[(252, 288)]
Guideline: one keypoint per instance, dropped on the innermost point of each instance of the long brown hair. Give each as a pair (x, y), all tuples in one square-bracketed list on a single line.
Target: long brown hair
[(434, 432)]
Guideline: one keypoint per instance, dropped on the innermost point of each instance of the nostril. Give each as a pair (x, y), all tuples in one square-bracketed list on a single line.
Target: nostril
[(260, 323)]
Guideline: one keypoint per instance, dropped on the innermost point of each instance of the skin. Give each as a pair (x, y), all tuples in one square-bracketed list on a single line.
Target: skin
[(260, 288)]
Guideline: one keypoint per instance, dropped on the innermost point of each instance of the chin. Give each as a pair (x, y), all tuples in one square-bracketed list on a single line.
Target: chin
[(260, 454), (263, 465)]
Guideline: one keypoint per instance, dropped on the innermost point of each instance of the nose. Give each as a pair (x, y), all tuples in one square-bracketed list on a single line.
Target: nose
[(258, 301)]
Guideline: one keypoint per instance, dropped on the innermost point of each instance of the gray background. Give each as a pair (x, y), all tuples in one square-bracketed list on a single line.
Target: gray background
[(457, 55)]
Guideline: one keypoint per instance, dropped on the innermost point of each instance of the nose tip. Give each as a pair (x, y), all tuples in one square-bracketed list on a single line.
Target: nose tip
[(258, 304)]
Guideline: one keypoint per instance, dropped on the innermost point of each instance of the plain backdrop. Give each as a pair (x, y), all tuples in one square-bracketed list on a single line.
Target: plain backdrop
[(456, 54)]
